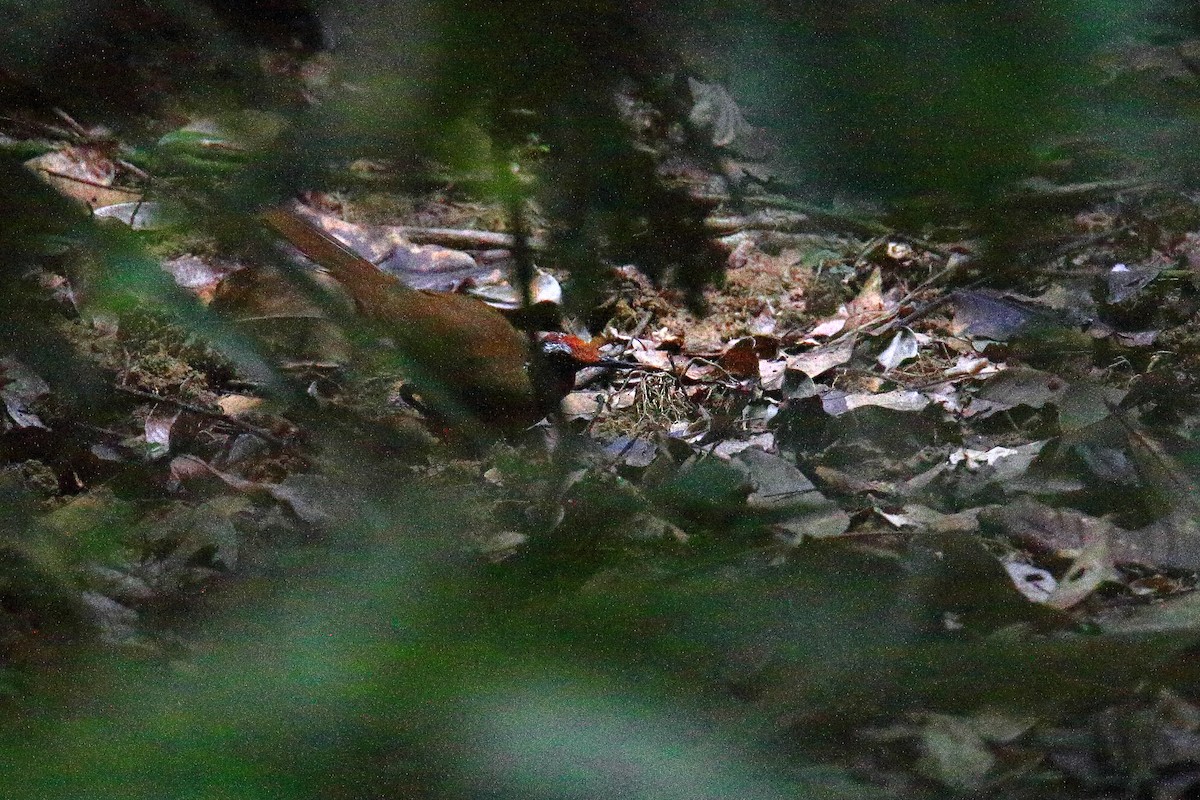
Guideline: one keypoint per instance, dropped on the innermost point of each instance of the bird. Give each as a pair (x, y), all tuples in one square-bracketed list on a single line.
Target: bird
[(473, 369)]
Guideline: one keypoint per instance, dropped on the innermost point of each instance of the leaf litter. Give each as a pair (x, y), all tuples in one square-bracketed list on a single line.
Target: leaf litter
[(1006, 475)]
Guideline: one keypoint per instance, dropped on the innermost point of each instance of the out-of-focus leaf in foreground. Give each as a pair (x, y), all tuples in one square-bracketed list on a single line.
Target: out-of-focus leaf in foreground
[(350, 681)]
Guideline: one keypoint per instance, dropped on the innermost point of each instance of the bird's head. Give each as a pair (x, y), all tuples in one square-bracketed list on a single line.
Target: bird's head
[(560, 356), (565, 349)]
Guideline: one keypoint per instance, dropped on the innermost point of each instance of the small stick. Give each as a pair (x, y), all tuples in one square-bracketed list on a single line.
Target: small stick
[(204, 412), (71, 123), (466, 239), (86, 182)]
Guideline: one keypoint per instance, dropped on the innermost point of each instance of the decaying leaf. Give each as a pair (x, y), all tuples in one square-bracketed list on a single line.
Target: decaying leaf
[(817, 362), (83, 173), (201, 276), (139, 215), (779, 486), (1124, 282), (988, 314), (1036, 584), (899, 400), (954, 753), (1087, 572), (903, 347), (158, 432), (21, 389), (1086, 403), (1016, 387)]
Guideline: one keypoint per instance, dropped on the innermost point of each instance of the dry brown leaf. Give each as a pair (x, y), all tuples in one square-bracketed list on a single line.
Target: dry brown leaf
[(234, 404), (83, 173)]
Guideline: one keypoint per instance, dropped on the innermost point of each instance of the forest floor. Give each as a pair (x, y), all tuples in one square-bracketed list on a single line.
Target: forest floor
[(929, 521)]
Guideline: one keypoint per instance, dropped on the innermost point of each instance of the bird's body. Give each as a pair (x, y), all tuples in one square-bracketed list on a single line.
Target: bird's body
[(466, 359)]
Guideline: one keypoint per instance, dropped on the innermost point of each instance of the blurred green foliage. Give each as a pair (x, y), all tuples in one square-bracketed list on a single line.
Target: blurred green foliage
[(385, 665)]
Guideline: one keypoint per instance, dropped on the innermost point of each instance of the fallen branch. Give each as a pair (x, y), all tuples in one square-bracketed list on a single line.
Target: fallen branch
[(467, 239), (265, 435)]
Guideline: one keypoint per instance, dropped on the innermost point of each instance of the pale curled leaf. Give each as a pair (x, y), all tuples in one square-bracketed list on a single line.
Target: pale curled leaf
[(815, 363), (235, 404), (830, 327), (657, 359), (544, 289), (924, 518), (1090, 569), (157, 431), (731, 447), (83, 173), (903, 347), (1035, 583), (312, 498), (139, 215), (899, 400), (21, 388), (201, 276), (974, 459), (954, 753), (976, 366), (770, 375)]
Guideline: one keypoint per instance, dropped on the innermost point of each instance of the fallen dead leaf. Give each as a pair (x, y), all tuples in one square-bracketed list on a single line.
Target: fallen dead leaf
[(235, 404), (815, 363), (83, 173)]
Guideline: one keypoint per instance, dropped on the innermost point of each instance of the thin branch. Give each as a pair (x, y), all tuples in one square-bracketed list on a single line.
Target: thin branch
[(204, 412)]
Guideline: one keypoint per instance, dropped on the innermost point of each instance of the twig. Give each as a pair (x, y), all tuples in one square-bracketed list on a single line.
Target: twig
[(71, 123), (857, 223), (204, 412), (86, 182), (135, 170), (642, 323), (466, 239), (1086, 241), (1041, 191), (763, 221), (919, 314)]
